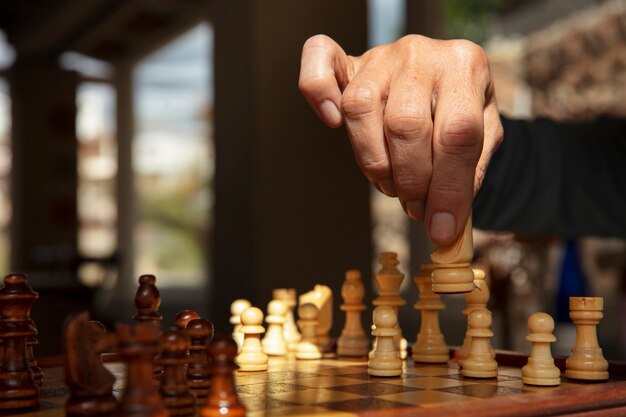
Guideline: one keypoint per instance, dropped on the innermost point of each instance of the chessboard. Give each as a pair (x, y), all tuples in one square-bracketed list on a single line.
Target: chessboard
[(332, 387)]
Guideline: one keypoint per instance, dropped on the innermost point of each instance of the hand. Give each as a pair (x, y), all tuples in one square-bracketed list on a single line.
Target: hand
[(422, 119)]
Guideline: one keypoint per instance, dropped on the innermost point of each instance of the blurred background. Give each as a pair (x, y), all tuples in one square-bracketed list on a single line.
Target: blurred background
[(169, 137)]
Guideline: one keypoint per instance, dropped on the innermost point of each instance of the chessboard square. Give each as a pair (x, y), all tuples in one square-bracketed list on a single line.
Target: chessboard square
[(366, 404), (434, 370), (425, 397), (429, 382), (280, 376), (346, 370), (314, 396), (328, 381), (303, 411), (271, 388), (374, 389), (513, 372), (262, 402), (481, 390)]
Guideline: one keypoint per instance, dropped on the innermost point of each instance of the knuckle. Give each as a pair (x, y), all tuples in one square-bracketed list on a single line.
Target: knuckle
[(375, 169), (412, 188), (318, 41), (313, 85), (469, 52), (358, 101), (461, 134), (405, 124)]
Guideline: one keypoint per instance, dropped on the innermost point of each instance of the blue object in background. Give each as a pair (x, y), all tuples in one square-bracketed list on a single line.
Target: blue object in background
[(572, 282)]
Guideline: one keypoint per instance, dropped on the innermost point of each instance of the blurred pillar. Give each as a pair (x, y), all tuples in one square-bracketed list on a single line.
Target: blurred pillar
[(292, 208), (426, 18), (44, 177)]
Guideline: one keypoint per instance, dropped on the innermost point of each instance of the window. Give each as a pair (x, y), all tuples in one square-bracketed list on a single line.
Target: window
[(173, 160)]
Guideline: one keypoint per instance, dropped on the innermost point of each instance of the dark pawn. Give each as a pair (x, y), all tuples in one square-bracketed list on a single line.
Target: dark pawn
[(17, 387), (35, 370), (89, 382), (174, 358), (138, 345), (223, 400), (184, 317), (148, 300), (200, 333)]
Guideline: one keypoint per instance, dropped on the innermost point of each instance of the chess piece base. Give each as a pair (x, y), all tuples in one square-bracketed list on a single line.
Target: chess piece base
[(456, 280), (353, 346), (307, 350), (90, 406), (587, 375), (479, 374), (430, 357), (544, 382)]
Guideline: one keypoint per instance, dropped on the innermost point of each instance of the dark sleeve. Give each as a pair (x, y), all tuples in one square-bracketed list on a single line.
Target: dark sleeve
[(563, 179)]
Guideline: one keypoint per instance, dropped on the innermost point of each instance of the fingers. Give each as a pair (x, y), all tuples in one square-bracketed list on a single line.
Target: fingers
[(457, 145), (408, 128), (324, 69), (362, 107), (493, 139)]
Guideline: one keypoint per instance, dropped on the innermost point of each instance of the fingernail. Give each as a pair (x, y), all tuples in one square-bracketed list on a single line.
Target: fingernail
[(442, 225), (415, 209), (387, 187), (330, 112)]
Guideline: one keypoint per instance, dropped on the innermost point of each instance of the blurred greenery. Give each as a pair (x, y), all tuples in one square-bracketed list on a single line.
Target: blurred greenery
[(470, 19)]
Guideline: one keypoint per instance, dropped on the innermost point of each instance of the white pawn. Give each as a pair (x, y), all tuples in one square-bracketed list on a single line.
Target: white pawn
[(274, 341), (479, 362), (252, 357), (308, 347), (385, 360), (236, 308), (540, 369)]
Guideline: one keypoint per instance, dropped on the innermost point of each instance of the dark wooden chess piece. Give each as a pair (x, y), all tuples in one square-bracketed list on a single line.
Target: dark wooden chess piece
[(35, 370), (17, 387), (173, 388), (200, 332), (223, 400), (89, 382), (184, 317), (138, 345), (148, 300)]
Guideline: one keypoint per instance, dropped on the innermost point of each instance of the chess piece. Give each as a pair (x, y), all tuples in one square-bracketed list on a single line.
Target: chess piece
[(200, 332), (274, 341), (479, 362), (252, 357), (290, 329), (385, 360), (322, 297), (89, 382), (223, 400), (173, 387), (236, 308), (138, 345), (183, 317), (540, 369), (430, 346), (586, 361), (476, 299), (17, 387), (148, 300), (452, 274), (308, 348), (388, 281), (353, 341)]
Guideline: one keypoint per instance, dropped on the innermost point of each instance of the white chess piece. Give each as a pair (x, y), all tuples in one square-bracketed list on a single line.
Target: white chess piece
[(290, 329), (252, 357), (353, 341), (308, 347), (540, 369), (479, 362), (385, 360), (274, 341), (236, 308)]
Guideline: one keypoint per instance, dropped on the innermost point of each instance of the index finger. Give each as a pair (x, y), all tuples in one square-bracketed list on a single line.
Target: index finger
[(324, 71)]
